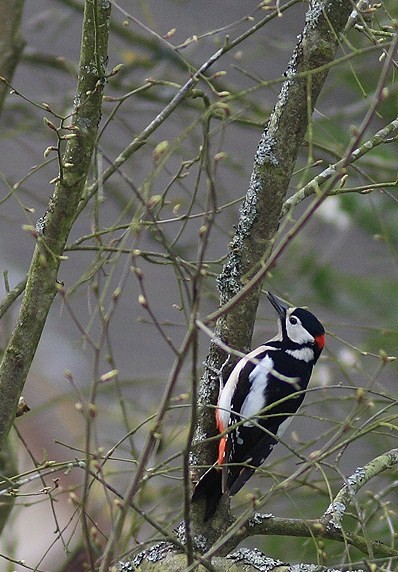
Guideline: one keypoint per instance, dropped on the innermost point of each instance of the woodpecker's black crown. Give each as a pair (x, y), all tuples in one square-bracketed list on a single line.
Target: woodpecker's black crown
[(299, 328), (309, 321)]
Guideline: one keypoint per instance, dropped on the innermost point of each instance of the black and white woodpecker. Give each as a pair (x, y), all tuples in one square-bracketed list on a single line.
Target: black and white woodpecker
[(256, 404)]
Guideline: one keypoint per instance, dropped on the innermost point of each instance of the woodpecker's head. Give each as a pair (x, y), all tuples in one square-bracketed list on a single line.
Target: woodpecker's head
[(298, 326)]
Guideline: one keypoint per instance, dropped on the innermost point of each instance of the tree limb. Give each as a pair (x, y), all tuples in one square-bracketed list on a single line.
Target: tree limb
[(335, 512), (11, 41), (311, 188), (327, 527), (269, 525), (41, 285), (260, 213)]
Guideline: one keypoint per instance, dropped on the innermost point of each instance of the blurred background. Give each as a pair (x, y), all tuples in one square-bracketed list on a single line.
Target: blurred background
[(343, 265)]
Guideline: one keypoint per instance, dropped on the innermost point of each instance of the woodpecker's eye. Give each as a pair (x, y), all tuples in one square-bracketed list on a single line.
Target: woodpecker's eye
[(293, 320)]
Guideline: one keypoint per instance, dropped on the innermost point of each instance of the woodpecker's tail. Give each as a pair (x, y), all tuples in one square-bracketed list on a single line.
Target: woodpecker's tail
[(209, 488)]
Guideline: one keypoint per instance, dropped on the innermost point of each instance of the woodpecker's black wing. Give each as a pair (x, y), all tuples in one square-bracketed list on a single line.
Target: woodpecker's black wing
[(252, 443), (272, 377)]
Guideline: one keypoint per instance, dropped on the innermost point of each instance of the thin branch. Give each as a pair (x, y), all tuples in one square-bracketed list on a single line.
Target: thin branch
[(311, 188), (269, 525), (141, 139), (145, 454), (11, 296)]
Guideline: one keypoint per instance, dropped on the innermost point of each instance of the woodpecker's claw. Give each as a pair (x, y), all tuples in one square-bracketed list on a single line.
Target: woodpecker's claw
[(277, 303)]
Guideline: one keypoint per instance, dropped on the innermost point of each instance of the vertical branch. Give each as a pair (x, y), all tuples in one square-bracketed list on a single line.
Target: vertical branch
[(11, 41), (41, 285), (260, 213), (197, 279)]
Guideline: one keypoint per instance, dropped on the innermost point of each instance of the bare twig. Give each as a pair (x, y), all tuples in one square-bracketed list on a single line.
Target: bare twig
[(145, 454), (178, 98), (11, 296)]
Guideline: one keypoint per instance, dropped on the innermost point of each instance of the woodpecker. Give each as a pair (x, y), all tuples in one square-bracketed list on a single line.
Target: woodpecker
[(256, 404)]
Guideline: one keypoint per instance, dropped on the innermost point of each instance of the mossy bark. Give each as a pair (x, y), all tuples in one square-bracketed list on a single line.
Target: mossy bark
[(260, 213), (41, 285), (11, 42)]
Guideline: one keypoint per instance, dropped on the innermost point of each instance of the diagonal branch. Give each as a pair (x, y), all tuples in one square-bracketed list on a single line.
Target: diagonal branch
[(381, 137), (329, 526), (335, 512)]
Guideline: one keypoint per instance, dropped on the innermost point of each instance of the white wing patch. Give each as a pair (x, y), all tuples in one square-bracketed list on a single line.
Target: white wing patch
[(254, 401), (224, 402)]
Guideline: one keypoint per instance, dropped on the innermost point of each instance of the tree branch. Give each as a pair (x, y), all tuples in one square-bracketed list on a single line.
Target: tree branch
[(329, 526), (11, 296), (335, 512), (269, 525), (41, 285), (312, 187), (11, 41), (260, 213), (175, 102)]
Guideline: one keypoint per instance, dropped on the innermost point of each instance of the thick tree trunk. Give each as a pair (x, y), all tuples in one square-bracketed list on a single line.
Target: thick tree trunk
[(260, 213)]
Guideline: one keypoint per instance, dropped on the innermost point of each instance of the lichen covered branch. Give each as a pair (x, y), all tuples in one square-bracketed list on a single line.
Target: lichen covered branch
[(261, 210), (335, 512)]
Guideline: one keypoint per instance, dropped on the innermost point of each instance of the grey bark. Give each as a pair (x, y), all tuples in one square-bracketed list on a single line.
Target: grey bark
[(261, 211), (41, 285), (11, 41)]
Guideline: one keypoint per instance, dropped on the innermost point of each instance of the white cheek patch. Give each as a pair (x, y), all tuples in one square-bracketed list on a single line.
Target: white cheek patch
[(296, 332), (303, 354)]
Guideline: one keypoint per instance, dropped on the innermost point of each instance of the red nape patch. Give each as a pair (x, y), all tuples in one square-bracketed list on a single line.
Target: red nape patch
[(320, 341), (221, 450)]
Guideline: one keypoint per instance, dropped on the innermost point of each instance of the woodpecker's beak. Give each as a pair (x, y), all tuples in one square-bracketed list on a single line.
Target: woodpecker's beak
[(279, 306)]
